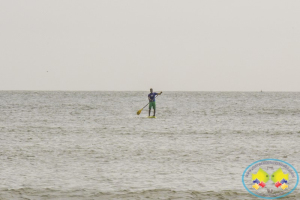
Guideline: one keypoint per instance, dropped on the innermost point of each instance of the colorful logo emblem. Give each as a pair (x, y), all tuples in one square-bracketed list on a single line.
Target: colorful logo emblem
[(270, 178)]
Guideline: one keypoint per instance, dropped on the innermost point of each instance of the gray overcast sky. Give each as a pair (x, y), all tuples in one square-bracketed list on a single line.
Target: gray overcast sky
[(187, 45)]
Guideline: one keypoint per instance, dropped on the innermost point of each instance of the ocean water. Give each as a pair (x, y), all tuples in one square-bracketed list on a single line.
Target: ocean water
[(93, 145)]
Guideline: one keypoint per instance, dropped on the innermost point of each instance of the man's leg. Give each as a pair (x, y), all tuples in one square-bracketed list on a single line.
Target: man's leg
[(149, 111), (154, 111)]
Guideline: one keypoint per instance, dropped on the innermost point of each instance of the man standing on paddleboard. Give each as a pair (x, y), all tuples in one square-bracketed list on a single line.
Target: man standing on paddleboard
[(151, 98)]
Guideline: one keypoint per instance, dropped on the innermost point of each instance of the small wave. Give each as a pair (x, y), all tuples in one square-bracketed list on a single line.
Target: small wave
[(78, 194)]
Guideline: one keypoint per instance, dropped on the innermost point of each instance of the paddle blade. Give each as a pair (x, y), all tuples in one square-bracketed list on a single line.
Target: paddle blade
[(139, 112)]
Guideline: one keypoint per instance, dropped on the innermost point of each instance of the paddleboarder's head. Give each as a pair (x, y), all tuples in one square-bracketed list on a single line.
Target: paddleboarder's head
[(151, 90)]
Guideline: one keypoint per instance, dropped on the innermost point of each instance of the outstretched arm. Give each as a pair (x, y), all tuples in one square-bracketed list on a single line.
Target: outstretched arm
[(159, 93)]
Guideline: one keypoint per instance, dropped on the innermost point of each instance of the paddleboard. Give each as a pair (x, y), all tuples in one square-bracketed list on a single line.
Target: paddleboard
[(151, 117)]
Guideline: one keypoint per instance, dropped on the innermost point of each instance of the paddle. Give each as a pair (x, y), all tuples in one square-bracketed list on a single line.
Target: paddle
[(139, 112)]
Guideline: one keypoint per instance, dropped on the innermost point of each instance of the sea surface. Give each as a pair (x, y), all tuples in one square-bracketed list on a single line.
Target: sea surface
[(93, 145)]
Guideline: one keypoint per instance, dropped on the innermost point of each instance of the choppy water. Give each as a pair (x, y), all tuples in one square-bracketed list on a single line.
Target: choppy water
[(92, 145)]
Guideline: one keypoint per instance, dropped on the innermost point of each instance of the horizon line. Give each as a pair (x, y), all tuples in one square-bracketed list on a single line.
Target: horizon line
[(145, 91)]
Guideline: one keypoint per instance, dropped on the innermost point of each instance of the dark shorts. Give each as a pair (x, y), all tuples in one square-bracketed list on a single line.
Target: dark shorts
[(152, 104)]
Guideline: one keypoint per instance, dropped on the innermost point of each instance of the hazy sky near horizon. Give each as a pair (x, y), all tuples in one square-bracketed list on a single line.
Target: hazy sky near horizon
[(192, 45)]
